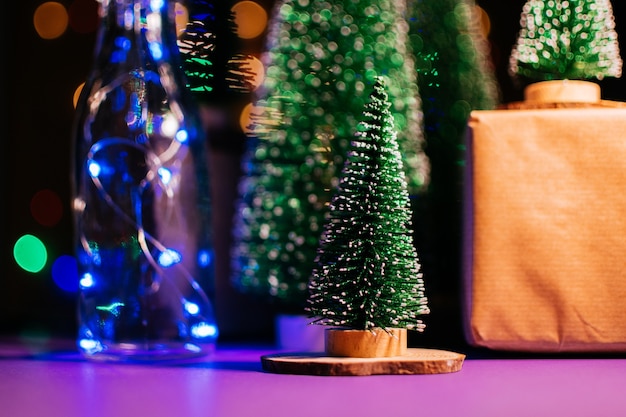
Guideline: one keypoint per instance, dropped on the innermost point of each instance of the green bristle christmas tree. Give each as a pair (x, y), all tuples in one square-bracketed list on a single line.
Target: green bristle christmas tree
[(453, 60), (367, 273), (566, 39), (366, 286), (322, 58)]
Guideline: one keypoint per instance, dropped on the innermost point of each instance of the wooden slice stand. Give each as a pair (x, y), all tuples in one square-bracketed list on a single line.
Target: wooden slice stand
[(365, 352)]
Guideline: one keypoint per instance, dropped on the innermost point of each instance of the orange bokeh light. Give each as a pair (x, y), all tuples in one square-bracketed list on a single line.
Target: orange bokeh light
[(182, 18), (250, 18), (77, 94), (50, 20), (259, 70)]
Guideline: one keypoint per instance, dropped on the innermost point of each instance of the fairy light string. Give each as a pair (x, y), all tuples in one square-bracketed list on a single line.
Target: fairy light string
[(141, 191)]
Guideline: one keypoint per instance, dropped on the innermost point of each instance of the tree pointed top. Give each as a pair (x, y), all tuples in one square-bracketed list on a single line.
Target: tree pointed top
[(379, 82), (379, 93)]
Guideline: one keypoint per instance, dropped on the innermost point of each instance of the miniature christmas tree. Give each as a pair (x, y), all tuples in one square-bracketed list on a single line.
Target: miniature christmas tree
[(573, 39), (367, 272), (218, 73), (322, 58)]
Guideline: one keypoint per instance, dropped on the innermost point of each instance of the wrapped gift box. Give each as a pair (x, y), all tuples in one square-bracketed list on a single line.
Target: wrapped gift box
[(545, 220)]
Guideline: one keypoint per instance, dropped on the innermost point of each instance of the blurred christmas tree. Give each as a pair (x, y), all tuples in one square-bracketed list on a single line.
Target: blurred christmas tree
[(455, 70), (566, 39), (322, 58), (218, 72), (367, 271), (455, 77)]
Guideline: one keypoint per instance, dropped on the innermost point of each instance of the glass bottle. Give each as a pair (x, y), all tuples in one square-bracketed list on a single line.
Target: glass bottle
[(141, 195)]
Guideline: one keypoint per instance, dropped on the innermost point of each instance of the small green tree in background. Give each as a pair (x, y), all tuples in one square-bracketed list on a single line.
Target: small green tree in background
[(367, 272), (455, 71), (321, 60), (566, 39), (455, 77), (218, 73)]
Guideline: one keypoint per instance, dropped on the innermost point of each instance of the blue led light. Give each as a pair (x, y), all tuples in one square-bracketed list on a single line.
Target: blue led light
[(89, 345), (94, 169), (122, 43), (96, 259), (203, 329), (192, 308), (169, 257), (192, 347), (205, 258), (87, 281), (182, 136), (118, 56), (156, 5), (156, 50), (165, 175)]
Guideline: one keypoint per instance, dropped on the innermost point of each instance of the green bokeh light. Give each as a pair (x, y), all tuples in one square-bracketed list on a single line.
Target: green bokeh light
[(30, 253)]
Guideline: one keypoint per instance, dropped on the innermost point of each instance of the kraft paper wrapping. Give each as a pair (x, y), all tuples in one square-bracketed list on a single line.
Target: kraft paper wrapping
[(545, 234)]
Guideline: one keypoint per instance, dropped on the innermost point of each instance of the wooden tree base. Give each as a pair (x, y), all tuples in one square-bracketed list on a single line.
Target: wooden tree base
[(413, 362), (375, 343)]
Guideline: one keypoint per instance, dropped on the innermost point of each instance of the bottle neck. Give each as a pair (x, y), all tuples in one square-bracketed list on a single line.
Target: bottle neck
[(136, 33)]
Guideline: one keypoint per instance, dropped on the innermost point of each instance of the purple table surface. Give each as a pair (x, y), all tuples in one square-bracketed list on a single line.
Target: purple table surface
[(45, 381)]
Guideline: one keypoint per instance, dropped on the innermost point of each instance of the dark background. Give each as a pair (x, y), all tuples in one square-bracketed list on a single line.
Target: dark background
[(38, 80)]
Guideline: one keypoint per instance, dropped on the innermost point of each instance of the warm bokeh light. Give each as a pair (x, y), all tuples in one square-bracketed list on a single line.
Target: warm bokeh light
[(252, 113), (182, 17), (46, 207), (50, 20), (245, 117), (259, 70), (484, 20), (77, 94), (250, 18), (30, 253), (83, 16)]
